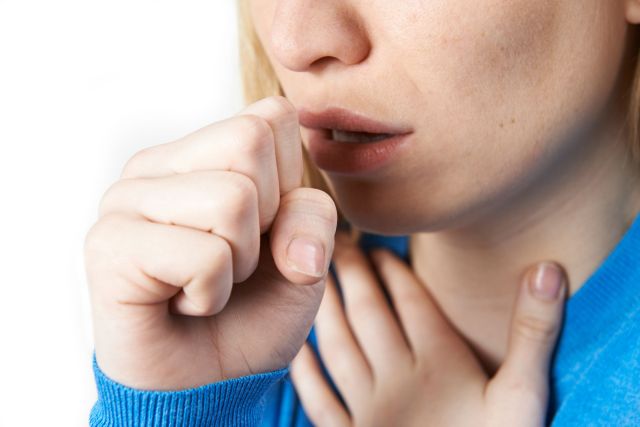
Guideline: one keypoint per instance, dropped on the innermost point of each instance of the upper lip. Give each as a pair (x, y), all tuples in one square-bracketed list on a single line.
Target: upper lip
[(336, 118)]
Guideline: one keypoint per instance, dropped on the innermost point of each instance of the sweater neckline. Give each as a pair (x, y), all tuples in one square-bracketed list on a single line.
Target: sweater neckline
[(599, 305), (608, 289), (608, 279)]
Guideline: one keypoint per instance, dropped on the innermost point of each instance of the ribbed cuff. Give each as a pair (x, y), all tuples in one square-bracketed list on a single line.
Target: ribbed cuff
[(233, 402)]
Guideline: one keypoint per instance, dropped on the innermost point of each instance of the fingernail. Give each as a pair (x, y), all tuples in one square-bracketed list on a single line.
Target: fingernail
[(306, 255), (546, 282)]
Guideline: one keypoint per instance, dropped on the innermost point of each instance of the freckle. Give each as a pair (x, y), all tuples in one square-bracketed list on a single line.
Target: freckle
[(501, 124), (513, 120)]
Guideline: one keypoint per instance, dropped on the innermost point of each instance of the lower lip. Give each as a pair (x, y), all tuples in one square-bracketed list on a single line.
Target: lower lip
[(350, 157)]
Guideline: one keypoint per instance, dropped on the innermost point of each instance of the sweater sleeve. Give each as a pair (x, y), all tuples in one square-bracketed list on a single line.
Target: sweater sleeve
[(233, 402)]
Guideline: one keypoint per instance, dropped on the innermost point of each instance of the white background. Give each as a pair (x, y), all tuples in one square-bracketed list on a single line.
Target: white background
[(84, 84)]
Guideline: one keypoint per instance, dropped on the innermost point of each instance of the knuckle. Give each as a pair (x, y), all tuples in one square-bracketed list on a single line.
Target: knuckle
[(534, 328), (97, 234), (217, 305), (216, 262), (243, 194), (281, 105), (92, 240), (108, 200), (520, 388), (216, 254), (202, 307), (195, 296), (206, 304), (256, 134), (102, 235), (135, 162), (322, 205), (323, 200)]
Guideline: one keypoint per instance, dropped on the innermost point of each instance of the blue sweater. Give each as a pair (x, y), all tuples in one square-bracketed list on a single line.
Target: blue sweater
[(595, 378)]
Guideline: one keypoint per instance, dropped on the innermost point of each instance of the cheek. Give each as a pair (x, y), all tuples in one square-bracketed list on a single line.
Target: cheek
[(509, 46), (479, 68), (479, 56), (502, 77), (503, 88)]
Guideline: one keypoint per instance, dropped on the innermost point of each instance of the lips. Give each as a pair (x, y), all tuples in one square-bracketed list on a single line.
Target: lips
[(345, 120), (347, 142)]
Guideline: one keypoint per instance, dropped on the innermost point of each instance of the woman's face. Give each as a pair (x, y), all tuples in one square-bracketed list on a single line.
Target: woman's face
[(497, 93)]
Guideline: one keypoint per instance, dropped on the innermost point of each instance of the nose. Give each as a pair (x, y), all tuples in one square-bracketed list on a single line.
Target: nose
[(306, 33)]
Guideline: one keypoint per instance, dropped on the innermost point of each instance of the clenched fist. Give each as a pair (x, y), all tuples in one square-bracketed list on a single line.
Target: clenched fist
[(208, 260)]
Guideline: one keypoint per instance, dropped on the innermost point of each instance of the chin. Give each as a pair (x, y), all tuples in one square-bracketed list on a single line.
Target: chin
[(390, 209), (397, 217)]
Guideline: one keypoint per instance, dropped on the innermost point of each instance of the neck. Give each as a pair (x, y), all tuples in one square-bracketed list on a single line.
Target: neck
[(575, 218)]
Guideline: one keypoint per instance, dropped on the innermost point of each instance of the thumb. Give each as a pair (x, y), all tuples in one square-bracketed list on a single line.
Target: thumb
[(302, 235), (523, 379)]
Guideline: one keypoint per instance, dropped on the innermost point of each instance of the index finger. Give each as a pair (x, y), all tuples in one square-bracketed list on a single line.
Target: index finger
[(283, 119)]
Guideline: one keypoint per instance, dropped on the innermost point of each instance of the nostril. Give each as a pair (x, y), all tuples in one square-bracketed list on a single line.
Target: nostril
[(316, 35), (323, 62)]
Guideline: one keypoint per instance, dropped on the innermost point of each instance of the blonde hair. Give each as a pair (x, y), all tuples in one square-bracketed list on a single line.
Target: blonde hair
[(259, 81)]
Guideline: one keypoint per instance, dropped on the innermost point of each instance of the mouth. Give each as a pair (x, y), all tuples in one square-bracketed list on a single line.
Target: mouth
[(345, 142), (357, 137), (342, 125)]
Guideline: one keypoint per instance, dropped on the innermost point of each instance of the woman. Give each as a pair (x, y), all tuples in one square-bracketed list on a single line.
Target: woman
[(491, 137)]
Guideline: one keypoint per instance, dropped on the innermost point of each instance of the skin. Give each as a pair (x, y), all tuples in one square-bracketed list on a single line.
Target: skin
[(405, 365), (517, 109), (190, 277), (193, 281), (198, 274), (185, 223)]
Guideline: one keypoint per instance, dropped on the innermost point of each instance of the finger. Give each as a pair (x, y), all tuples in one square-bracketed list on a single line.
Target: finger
[(420, 317), (302, 235), (372, 321), (522, 381), (223, 203), (159, 262), (244, 144), (432, 339), (283, 119), (318, 400), (342, 356)]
